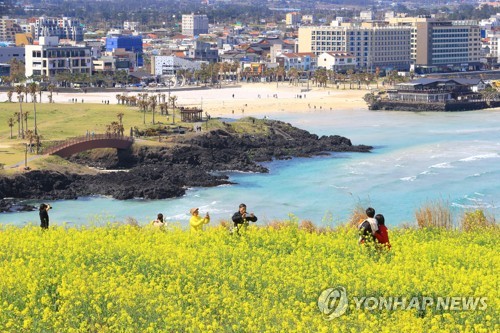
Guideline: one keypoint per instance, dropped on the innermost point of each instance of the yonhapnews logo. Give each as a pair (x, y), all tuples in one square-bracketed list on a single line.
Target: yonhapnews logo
[(333, 303)]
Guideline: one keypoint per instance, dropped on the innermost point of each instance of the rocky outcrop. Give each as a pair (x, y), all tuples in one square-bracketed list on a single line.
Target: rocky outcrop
[(157, 173)]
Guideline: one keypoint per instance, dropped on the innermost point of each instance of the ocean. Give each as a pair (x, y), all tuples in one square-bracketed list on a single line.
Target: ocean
[(452, 158)]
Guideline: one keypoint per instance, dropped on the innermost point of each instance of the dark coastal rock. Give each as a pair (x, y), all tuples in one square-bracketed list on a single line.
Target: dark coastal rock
[(158, 173), (12, 205)]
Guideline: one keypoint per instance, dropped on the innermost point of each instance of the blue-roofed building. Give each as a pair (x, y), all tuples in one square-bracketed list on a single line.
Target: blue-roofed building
[(129, 43)]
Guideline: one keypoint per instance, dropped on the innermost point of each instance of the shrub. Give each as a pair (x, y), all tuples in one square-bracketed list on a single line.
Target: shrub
[(474, 220), (358, 214), (308, 226), (434, 214)]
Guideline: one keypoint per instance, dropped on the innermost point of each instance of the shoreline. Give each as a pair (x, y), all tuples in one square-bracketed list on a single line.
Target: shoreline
[(245, 99)]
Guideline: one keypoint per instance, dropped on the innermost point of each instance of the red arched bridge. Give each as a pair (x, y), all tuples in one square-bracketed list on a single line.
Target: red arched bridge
[(91, 141)]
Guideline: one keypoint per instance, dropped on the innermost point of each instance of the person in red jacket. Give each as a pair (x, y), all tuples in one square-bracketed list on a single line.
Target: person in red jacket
[(381, 234)]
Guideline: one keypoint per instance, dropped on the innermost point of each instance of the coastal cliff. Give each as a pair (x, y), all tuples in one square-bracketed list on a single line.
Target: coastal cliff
[(166, 172)]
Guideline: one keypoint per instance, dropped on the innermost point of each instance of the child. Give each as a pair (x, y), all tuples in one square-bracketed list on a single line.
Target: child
[(381, 234)]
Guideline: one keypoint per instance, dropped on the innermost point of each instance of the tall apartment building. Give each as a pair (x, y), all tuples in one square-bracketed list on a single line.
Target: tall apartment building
[(292, 19), (48, 58), (373, 44), (8, 29), (448, 45), (194, 25), (63, 28), (438, 45), (410, 22)]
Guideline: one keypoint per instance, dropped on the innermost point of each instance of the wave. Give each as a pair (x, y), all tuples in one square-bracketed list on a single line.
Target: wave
[(482, 205), (444, 165), (409, 179), (479, 157), (340, 187), (468, 131)]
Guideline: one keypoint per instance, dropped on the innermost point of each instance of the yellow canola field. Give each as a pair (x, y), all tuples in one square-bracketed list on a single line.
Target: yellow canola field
[(129, 279)]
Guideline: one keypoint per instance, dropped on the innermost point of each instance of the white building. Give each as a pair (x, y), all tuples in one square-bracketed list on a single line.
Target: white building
[(64, 28), (337, 61), (48, 58), (131, 25), (169, 65), (374, 45), (194, 25)]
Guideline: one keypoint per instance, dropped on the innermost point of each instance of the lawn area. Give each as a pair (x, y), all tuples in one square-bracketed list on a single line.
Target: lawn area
[(61, 121), (132, 279)]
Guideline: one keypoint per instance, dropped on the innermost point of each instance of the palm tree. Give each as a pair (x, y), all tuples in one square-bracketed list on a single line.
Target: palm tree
[(17, 116), (377, 75), (152, 104), (141, 108), (350, 74), (38, 142), (11, 121), (30, 135), (33, 88), (120, 117), (51, 88), (280, 74), (293, 75), (25, 116), (9, 95), (173, 98), (20, 90)]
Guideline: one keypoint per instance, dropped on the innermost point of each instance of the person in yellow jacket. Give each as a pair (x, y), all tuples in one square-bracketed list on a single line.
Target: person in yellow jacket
[(196, 222)]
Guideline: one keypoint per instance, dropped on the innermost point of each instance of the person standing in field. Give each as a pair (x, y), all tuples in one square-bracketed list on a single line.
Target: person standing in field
[(196, 222), (241, 218), (159, 222), (382, 234), (44, 215)]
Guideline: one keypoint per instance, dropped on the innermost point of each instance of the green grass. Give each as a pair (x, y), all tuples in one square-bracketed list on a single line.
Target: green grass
[(61, 121), (58, 122)]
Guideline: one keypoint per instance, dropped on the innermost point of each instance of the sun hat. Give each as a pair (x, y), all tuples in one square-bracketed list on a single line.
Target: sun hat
[(192, 210)]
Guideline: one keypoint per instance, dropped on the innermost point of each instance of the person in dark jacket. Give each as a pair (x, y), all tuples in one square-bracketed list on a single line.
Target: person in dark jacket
[(44, 216), (241, 218)]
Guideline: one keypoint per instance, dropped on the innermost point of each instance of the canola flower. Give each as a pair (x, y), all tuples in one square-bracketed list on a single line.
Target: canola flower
[(130, 279)]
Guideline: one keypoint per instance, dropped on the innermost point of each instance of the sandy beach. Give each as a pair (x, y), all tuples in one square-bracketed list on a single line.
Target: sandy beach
[(249, 99)]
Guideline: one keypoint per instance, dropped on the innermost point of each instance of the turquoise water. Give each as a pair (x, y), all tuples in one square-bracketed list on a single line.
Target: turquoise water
[(418, 157)]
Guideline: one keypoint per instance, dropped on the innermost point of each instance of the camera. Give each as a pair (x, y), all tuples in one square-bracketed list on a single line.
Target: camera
[(49, 206)]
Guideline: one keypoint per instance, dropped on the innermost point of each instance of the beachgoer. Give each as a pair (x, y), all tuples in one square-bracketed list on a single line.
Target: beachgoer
[(159, 222), (382, 234), (196, 222), (368, 227), (44, 215), (241, 218)]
